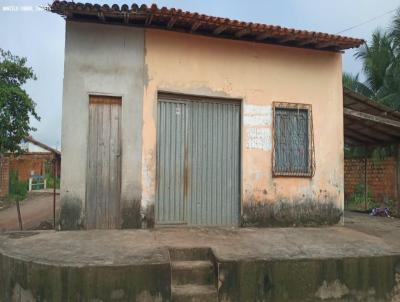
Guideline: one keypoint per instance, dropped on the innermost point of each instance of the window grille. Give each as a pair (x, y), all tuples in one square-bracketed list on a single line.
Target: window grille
[(293, 152)]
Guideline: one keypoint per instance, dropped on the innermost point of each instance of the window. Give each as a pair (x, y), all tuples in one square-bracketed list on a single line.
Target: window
[(293, 153)]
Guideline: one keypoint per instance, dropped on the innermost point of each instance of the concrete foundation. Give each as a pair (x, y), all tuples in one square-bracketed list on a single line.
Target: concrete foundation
[(357, 262)]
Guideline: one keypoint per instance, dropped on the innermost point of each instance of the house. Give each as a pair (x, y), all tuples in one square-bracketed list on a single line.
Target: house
[(37, 159), (173, 117)]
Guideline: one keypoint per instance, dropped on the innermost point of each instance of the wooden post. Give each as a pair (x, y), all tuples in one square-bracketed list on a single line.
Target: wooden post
[(54, 190), (365, 179), (19, 215), (398, 178)]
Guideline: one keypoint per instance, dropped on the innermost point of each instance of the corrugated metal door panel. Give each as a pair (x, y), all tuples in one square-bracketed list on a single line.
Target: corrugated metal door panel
[(213, 163), (171, 141)]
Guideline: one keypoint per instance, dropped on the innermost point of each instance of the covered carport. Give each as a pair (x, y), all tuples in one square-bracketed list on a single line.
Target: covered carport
[(369, 124)]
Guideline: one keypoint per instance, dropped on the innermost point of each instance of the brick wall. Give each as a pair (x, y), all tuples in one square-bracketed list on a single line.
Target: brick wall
[(4, 177), (381, 177), (25, 164)]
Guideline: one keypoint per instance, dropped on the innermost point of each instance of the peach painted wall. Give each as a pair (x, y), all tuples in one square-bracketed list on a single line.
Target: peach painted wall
[(258, 74)]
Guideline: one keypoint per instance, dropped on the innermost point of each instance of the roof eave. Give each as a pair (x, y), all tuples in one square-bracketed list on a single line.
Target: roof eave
[(193, 23)]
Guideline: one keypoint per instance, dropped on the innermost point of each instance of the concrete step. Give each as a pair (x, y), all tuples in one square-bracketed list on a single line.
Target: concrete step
[(190, 254), (192, 272), (194, 293)]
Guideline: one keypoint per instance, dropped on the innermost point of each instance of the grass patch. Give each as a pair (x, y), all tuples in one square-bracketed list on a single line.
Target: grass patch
[(18, 191), (357, 201)]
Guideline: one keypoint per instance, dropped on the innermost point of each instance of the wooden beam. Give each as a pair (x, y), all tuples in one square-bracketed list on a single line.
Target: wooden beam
[(374, 131), (398, 178), (303, 43), (126, 18), (263, 36), (325, 45), (368, 135), (220, 29), (195, 26), (370, 117), (351, 142), (100, 15), (347, 93), (149, 18), (356, 138), (172, 22), (242, 32), (286, 39)]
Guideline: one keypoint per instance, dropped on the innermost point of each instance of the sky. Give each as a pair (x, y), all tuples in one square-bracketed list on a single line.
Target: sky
[(39, 36)]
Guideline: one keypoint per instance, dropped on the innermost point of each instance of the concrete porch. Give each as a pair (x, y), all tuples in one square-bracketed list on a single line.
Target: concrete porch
[(359, 261)]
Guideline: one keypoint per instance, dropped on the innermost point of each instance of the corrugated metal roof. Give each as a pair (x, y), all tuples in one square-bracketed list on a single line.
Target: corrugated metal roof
[(194, 23)]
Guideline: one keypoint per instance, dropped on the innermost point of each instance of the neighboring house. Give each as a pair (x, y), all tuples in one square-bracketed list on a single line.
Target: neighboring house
[(37, 159), (172, 117)]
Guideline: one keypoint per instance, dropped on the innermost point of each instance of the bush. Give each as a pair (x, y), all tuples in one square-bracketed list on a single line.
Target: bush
[(357, 200), (18, 189), (50, 181)]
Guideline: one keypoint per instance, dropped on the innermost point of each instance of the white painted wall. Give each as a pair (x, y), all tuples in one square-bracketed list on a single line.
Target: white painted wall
[(107, 60)]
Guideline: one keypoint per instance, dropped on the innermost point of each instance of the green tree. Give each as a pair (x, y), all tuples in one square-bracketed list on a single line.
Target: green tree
[(16, 106), (381, 66)]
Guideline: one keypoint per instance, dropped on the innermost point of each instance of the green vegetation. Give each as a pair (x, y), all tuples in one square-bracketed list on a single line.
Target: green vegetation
[(357, 200), (17, 191), (16, 107), (381, 67), (50, 181)]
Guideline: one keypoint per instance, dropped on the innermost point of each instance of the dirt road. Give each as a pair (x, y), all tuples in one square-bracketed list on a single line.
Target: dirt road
[(36, 208)]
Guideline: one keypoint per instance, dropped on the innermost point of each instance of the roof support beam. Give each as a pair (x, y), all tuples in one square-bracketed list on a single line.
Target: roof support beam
[(149, 18), (126, 18), (352, 142), (369, 136), (242, 32), (325, 45), (195, 26), (370, 117), (373, 131), (263, 36), (220, 29), (100, 15), (355, 137), (303, 43), (286, 39), (172, 22)]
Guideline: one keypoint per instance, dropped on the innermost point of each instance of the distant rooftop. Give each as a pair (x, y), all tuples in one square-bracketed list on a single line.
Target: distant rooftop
[(182, 21)]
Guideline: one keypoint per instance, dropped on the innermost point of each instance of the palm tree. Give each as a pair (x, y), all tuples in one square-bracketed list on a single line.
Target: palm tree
[(381, 67), (353, 82)]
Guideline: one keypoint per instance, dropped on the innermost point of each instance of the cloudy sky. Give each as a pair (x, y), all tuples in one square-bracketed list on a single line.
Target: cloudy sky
[(39, 36)]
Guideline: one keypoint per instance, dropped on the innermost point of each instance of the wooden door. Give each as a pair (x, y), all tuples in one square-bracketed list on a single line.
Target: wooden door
[(104, 163)]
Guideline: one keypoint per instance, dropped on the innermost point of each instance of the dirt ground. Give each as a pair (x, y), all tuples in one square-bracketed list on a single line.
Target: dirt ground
[(37, 207)]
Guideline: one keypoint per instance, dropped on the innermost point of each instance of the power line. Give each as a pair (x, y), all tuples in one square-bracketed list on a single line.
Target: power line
[(366, 22)]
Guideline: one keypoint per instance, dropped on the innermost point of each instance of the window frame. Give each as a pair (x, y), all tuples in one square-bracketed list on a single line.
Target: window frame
[(311, 150)]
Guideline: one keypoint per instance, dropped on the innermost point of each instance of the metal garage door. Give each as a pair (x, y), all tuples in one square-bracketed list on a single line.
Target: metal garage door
[(198, 162)]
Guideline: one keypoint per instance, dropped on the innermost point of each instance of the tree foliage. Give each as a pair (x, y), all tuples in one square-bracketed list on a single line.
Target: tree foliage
[(381, 67), (16, 107)]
